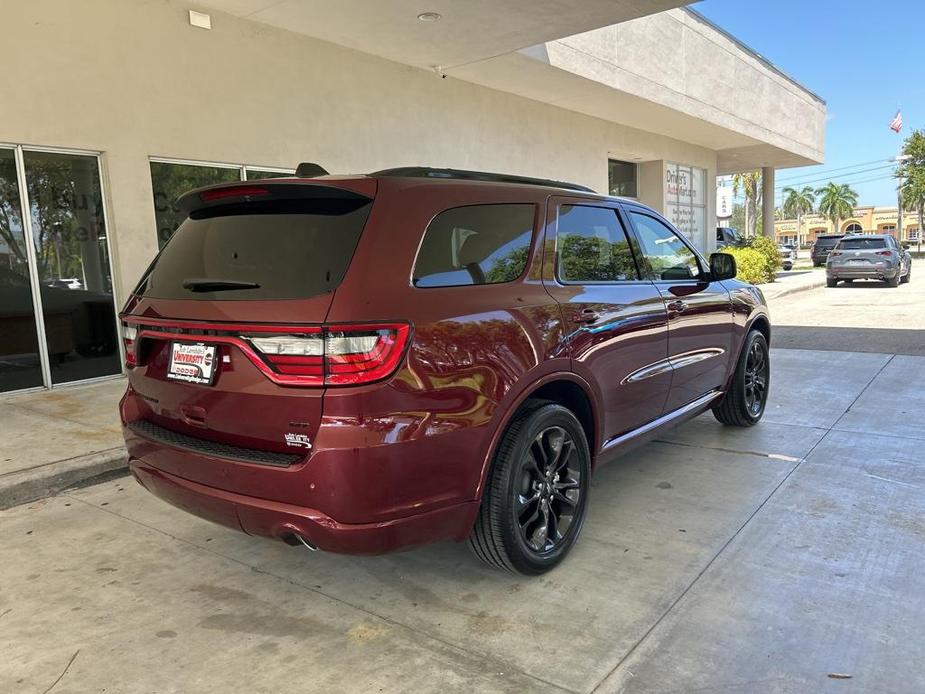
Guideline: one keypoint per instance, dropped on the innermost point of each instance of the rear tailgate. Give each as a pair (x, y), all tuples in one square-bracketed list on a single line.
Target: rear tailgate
[(236, 299), (862, 253)]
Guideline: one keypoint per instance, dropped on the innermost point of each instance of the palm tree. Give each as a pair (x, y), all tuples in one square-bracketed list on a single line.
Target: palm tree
[(836, 202), (797, 203), (748, 182)]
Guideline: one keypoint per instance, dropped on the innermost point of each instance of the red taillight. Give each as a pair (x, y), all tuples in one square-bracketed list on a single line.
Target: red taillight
[(363, 353), (129, 334), (232, 192), (336, 355), (834, 252), (886, 253)]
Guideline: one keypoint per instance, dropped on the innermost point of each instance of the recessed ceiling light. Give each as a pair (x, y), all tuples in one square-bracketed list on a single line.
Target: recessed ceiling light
[(429, 16)]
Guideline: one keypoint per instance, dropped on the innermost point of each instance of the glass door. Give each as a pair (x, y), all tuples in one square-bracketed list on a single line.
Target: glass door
[(20, 360), (71, 257)]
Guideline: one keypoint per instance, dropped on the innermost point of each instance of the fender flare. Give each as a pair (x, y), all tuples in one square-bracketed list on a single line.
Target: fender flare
[(512, 408)]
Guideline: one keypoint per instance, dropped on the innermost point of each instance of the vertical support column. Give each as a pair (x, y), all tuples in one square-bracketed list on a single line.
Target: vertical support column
[(767, 202)]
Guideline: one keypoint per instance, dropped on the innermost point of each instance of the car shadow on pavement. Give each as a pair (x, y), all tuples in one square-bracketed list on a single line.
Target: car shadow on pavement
[(871, 340)]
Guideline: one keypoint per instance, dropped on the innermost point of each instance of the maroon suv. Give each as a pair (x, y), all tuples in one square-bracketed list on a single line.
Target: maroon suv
[(367, 363)]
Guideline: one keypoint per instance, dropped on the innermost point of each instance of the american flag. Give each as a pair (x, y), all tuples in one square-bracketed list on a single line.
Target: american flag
[(897, 123)]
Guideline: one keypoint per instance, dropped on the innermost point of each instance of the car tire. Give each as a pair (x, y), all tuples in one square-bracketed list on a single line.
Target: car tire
[(893, 281), (908, 277), (830, 282), (523, 483), (744, 403)]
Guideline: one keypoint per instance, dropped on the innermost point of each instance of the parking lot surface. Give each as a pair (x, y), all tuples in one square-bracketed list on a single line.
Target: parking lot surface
[(864, 316), (768, 559)]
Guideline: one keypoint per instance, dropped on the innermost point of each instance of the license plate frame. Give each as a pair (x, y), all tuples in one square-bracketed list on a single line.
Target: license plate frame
[(196, 364)]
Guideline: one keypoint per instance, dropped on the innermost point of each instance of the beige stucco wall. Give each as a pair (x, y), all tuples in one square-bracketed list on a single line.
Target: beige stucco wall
[(132, 79)]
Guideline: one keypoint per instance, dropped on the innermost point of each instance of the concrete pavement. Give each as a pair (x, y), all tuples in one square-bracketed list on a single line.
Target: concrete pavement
[(768, 559), (54, 439)]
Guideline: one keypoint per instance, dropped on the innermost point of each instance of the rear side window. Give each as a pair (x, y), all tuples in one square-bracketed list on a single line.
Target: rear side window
[(861, 244), (272, 250), (592, 245), (476, 244)]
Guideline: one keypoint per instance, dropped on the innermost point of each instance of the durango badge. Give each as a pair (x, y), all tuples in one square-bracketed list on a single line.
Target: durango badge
[(298, 440)]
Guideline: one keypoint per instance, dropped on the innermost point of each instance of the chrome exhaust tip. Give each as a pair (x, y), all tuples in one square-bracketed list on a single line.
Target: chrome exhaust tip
[(305, 543)]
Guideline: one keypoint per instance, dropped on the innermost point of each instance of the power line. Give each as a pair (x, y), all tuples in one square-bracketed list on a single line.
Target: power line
[(798, 176), (834, 179)]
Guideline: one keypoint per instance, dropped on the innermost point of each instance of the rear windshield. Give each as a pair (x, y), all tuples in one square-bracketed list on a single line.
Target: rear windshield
[(272, 250), (861, 244), (827, 241)]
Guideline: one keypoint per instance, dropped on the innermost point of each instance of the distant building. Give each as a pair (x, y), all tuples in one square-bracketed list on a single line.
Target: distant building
[(865, 220)]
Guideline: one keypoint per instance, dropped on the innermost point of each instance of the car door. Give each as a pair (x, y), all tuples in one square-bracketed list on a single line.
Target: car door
[(700, 320), (616, 321)]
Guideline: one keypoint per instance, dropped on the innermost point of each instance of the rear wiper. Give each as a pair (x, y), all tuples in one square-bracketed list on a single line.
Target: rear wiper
[(212, 285)]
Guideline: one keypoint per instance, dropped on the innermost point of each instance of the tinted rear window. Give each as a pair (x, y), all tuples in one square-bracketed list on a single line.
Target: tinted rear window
[(476, 244), (861, 244), (289, 249), (828, 242)]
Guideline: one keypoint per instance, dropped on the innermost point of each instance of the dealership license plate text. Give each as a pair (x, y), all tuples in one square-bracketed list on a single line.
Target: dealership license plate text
[(194, 363)]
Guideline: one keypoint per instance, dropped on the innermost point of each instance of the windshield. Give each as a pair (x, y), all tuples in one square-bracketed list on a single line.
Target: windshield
[(275, 250)]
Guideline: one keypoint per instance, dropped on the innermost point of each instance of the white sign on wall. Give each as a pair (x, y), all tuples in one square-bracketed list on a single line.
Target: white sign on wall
[(685, 202), (724, 197)]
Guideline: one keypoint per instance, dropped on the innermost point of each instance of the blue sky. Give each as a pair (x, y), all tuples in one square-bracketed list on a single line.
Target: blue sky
[(866, 59)]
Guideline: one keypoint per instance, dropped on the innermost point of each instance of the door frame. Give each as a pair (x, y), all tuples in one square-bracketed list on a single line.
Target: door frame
[(25, 208)]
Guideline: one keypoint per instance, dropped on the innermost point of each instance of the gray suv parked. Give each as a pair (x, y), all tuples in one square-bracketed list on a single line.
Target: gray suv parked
[(871, 257)]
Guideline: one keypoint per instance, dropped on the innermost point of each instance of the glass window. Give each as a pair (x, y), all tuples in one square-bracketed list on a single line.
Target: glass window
[(69, 233), (254, 174), (665, 255), (170, 181), (593, 246), (477, 244), (20, 366), (622, 178), (262, 250), (859, 244)]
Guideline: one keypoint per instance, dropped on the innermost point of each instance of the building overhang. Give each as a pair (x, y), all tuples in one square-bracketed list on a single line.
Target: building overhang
[(466, 32), (646, 64)]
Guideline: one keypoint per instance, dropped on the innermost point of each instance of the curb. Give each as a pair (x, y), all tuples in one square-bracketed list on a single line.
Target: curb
[(794, 290), (48, 480)]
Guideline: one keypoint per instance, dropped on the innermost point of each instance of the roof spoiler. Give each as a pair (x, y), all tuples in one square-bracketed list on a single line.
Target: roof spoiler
[(309, 169)]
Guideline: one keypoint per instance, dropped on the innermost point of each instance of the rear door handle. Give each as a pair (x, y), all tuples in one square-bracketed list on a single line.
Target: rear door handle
[(677, 305), (588, 315)]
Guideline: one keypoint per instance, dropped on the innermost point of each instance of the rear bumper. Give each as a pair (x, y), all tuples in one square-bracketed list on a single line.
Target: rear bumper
[(847, 272), (282, 521)]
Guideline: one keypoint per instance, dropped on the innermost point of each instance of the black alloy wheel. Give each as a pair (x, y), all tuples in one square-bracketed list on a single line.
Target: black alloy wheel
[(744, 402), (536, 494), (548, 490), (757, 370)]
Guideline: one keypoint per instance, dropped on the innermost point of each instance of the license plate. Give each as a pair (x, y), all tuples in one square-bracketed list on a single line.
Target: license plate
[(193, 363), (857, 262)]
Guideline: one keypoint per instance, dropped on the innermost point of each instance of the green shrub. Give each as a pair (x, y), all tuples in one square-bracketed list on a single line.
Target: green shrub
[(770, 252), (751, 264)]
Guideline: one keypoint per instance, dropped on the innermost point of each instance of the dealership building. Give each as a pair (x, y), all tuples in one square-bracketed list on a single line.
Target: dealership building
[(111, 108), (865, 219)]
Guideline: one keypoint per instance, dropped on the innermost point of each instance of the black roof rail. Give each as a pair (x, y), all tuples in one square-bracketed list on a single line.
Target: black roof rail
[(462, 174)]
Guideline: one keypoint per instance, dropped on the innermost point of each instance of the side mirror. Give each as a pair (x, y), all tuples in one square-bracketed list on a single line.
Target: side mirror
[(906, 245), (722, 266)]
